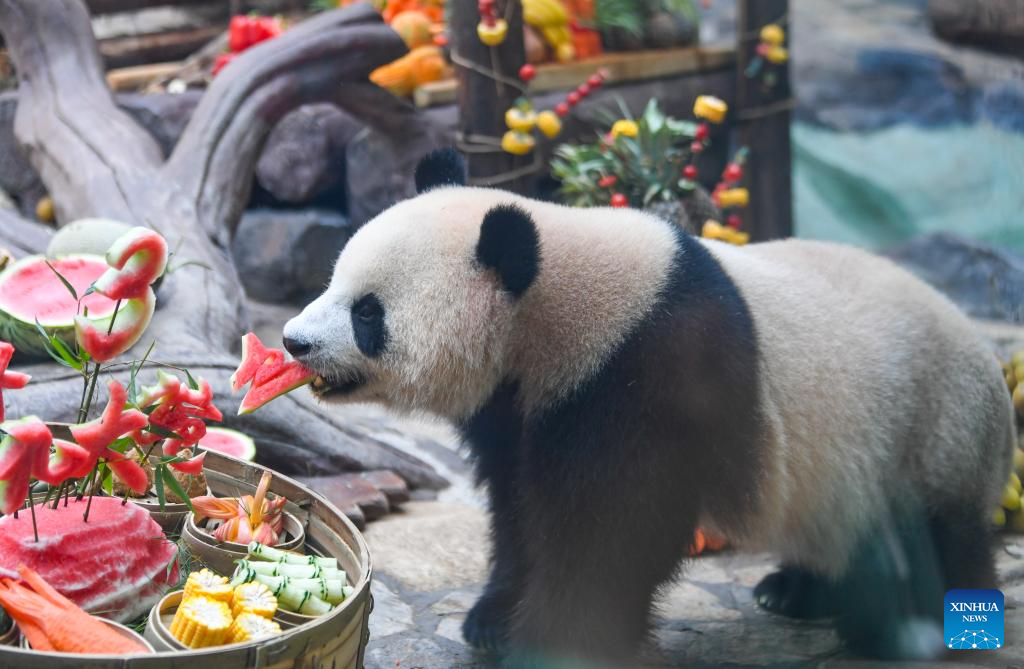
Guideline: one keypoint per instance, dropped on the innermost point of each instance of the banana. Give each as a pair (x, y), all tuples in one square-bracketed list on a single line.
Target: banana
[(540, 13)]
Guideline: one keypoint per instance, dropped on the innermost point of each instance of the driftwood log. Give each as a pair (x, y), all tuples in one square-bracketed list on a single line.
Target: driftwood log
[(95, 161)]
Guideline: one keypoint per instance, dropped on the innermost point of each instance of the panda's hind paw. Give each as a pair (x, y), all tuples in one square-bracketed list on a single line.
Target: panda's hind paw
[(794, 593), (486, 625)]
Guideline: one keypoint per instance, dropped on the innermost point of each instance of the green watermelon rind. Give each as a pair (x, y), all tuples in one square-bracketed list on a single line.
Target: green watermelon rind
[(246, 440), (22, 332)]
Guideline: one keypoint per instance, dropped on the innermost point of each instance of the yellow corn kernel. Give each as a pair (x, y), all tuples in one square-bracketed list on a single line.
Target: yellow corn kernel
[(253, 597), (205, 583), (710, 108), (250, 627), (201, 622)]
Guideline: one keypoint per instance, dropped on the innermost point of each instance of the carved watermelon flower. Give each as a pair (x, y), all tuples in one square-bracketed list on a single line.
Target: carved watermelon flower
[(25, 452), (9, 380), (246, 519), (97, 437), (179, 416), (137, 258)]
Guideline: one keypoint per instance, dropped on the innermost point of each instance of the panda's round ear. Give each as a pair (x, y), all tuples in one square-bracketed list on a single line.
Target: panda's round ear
[(509, 245), (441, 167)]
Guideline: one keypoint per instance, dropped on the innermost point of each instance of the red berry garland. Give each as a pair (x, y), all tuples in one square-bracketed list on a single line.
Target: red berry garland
[(619, 200), (527, 72)]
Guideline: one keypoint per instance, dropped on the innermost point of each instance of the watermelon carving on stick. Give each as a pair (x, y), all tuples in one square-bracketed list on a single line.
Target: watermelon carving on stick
[(270, 375), (25, 452), (9, 380), (136, 260)]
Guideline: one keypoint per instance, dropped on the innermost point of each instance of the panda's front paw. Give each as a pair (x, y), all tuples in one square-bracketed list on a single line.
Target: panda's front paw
[(794, 593), (486, 626)]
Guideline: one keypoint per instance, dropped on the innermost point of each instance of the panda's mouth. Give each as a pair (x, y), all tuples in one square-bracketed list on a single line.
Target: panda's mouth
[(325, 387)]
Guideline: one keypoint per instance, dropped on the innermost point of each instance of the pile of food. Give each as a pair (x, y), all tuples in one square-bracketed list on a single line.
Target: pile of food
[(95, 521), (1010, 512)]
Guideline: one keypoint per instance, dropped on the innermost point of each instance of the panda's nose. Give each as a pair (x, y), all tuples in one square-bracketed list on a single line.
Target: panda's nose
[(297, 347)]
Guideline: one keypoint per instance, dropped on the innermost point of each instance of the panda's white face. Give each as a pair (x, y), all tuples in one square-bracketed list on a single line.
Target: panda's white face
[(410, 319)]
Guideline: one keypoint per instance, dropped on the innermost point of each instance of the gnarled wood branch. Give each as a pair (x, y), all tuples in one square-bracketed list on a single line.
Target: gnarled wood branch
[(97, 162)]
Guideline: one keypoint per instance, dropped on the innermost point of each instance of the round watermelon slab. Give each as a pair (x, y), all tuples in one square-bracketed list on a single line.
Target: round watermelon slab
[(229, 442), (30, 292)]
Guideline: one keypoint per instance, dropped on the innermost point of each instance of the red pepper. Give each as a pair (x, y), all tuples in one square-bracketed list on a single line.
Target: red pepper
[(222, 61), (246, 31)]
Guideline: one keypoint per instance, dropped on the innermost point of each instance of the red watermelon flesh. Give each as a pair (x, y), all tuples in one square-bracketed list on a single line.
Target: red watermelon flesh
[(271, 376), (32, 291), (118, 563), (229, 442)]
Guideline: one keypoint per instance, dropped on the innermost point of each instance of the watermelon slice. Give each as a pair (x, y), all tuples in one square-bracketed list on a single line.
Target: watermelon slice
[(137, 259), (131, 319), (30, 291), (118, 563), (229, 442), (9, 380), (270, 375)]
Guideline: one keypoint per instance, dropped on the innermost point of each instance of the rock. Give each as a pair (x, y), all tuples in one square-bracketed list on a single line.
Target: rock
[(994, 24), (305, 153), (288, 255), (985, 281), (391, 484), (431, 546), (348, 491), (164, 115), (380, 168), (390, 614), (17, 176)]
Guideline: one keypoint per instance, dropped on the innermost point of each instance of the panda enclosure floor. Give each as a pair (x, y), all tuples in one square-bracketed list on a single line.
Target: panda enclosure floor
[(429, 563)]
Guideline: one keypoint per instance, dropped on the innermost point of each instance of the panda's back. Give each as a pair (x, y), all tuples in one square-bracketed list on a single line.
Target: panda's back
[(873, 386)]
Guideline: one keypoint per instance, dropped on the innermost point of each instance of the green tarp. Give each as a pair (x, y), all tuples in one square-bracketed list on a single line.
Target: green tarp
[(881, 188)]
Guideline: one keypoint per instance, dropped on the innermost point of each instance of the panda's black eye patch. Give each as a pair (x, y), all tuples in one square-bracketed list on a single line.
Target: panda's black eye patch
[(368, 326)]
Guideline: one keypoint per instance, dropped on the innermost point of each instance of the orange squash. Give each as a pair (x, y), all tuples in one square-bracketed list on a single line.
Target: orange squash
[(413, 26), (421, 65)]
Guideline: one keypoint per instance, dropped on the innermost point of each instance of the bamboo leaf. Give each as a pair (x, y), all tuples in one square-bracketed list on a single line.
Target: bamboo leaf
[(67, 284), (158, 483), (176, 488)]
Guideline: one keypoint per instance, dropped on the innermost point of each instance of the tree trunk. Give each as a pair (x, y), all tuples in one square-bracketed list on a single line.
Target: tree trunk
[(96, 161)]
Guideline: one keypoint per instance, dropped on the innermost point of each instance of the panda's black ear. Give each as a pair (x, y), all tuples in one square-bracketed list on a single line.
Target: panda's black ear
[(441, 167), (509, 245)]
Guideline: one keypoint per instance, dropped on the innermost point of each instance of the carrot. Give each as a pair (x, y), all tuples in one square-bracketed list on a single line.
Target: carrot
[(50, 621)]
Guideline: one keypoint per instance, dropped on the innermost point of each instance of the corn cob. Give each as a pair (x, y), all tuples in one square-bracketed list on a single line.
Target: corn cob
[(200, 622), (250, 627), (253, 598), (207, 584)]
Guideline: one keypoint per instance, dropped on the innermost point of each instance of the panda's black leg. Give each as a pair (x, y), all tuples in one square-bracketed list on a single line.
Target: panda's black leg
[(494, 435), (891, 596), (964, 542), (796, 593), (599, 544)]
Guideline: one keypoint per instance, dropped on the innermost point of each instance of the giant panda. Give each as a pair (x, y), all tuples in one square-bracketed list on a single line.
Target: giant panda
[(620, 383)]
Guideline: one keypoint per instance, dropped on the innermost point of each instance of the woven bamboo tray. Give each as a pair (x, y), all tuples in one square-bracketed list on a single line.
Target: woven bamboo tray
[(334, 641)]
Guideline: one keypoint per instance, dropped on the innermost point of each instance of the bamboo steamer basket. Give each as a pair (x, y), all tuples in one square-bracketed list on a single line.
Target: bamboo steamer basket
[(333, 641), (220, 556)]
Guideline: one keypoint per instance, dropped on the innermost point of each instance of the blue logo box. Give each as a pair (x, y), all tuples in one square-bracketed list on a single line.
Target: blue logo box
[(973, 619)]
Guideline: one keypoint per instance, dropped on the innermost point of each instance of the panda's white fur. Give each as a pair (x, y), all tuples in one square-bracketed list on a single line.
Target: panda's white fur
[(873, 387)]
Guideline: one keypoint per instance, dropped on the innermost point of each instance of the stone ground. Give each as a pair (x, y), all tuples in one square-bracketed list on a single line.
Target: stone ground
[(429, 561)]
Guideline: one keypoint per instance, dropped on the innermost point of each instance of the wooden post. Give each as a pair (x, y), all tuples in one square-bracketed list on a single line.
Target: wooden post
[(481, 100), (763, 116)]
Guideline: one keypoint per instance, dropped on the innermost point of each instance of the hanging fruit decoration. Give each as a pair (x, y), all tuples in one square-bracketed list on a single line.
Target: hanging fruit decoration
[(491, 30), (769, 55), (521, 118), (729, 197)]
